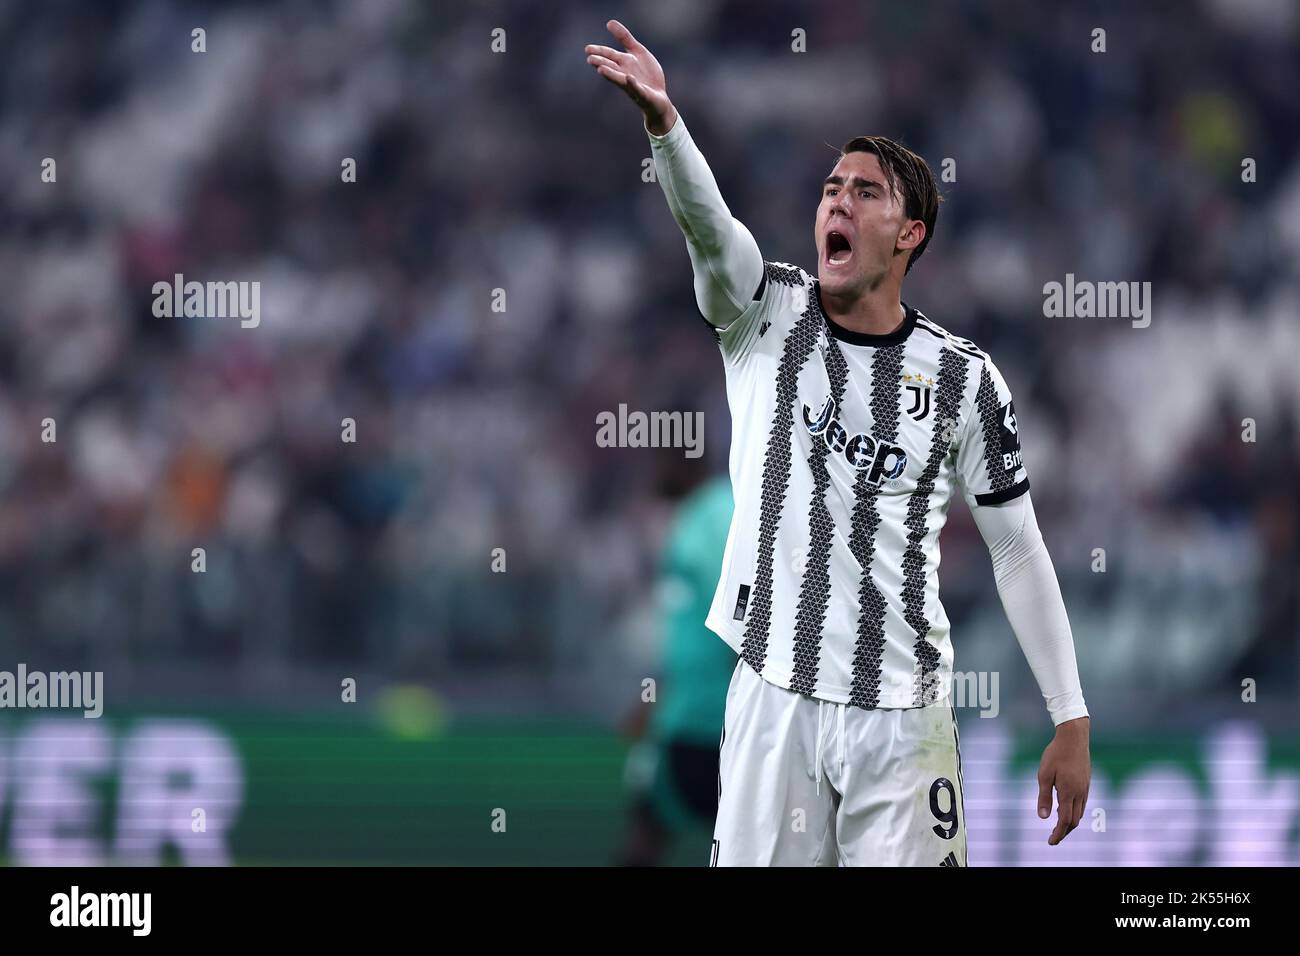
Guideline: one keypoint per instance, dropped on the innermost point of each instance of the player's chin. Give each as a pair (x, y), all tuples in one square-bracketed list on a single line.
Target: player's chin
[(834, 280)]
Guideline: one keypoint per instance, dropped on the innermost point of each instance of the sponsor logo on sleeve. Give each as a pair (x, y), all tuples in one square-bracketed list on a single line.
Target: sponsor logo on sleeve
[(1009, 437)]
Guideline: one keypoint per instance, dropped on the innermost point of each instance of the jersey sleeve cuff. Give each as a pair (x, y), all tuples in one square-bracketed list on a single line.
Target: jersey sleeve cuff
[(670, 138), (1006, 494), (1072, 712)]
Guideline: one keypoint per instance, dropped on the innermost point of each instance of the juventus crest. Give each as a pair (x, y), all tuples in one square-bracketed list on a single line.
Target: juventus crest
[(917, 389)]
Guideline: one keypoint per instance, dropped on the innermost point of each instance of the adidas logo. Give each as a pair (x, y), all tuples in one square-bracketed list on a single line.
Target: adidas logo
[(950, 860)]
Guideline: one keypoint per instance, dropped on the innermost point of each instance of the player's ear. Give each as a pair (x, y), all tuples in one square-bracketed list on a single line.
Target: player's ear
[(911, 235)]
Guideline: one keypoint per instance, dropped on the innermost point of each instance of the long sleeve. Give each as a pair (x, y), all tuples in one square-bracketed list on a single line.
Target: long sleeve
[(1032, 600), (724, 256)]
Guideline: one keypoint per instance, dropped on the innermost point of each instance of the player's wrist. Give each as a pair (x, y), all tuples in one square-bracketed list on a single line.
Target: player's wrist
[(1073, 729), (662, 122)]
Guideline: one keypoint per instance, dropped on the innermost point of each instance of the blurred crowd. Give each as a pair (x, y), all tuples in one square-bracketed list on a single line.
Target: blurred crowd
[(501, 271)]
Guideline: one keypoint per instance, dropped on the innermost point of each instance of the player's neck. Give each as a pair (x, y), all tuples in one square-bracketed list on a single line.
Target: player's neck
[(877, 311)]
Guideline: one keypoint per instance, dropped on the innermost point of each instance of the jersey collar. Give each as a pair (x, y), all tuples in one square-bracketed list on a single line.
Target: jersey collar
[(899, 334)]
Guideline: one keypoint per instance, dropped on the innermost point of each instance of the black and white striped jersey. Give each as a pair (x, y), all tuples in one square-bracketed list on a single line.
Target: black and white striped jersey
[(845, 452)]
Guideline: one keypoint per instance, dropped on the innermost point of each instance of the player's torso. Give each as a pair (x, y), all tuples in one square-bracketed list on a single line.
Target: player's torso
[(846, 457), (864, 424)]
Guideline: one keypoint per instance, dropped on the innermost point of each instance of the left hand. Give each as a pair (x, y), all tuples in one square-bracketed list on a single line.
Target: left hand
[(1066, 765)]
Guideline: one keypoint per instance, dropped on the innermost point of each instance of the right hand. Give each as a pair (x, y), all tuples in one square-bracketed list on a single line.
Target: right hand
[(638, 74)]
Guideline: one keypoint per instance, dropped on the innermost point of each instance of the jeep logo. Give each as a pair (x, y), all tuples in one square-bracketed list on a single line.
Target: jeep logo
[(861, 451)]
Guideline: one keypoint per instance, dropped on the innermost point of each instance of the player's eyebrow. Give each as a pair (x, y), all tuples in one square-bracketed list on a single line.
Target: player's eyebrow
[(837, 180)]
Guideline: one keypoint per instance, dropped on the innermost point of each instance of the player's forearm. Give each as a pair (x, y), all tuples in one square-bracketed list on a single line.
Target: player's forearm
[(724, 256), (1031, 597)]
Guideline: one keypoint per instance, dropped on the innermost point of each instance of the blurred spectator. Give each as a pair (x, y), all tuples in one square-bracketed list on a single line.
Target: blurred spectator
[(479, 171)]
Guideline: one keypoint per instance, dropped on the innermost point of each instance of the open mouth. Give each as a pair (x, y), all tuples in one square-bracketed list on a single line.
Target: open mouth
[(838, 249)]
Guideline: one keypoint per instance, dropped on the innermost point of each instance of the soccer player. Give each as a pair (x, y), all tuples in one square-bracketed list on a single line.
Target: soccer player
[(854, 419)]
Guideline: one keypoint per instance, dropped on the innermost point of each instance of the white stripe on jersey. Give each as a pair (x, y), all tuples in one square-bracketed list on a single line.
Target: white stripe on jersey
[(846, 449)]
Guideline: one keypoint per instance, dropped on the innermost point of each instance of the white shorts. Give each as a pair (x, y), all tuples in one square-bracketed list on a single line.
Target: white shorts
[(805, 782)]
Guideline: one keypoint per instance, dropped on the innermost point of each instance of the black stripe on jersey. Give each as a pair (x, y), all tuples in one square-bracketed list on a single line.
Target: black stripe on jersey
[(869, 648), (815, 587), (799, 344), (964, 346), (947, 403), (1008, 494), (988, 409)]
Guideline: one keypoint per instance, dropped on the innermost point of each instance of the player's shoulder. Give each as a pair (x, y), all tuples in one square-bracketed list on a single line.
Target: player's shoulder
[(784, 283), (781, 299), (985, 384), (944, 339), (786, 274)]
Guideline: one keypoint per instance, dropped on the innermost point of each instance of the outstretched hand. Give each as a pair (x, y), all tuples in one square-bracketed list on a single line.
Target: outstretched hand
[(637, 73)]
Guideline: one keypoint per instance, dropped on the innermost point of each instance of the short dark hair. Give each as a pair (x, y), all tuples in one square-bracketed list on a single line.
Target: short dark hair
[(909, 176)]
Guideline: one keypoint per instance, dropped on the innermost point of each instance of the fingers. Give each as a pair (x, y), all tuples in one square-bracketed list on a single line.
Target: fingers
[(1069, 813), (1044, 796), (614, 75), (623, 35), (1070, 778), (622, 80), (603, 61), (1061, 829), (606, 51)]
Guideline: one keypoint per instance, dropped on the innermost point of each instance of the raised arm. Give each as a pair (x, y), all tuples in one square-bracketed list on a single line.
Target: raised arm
[(724, 256)]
